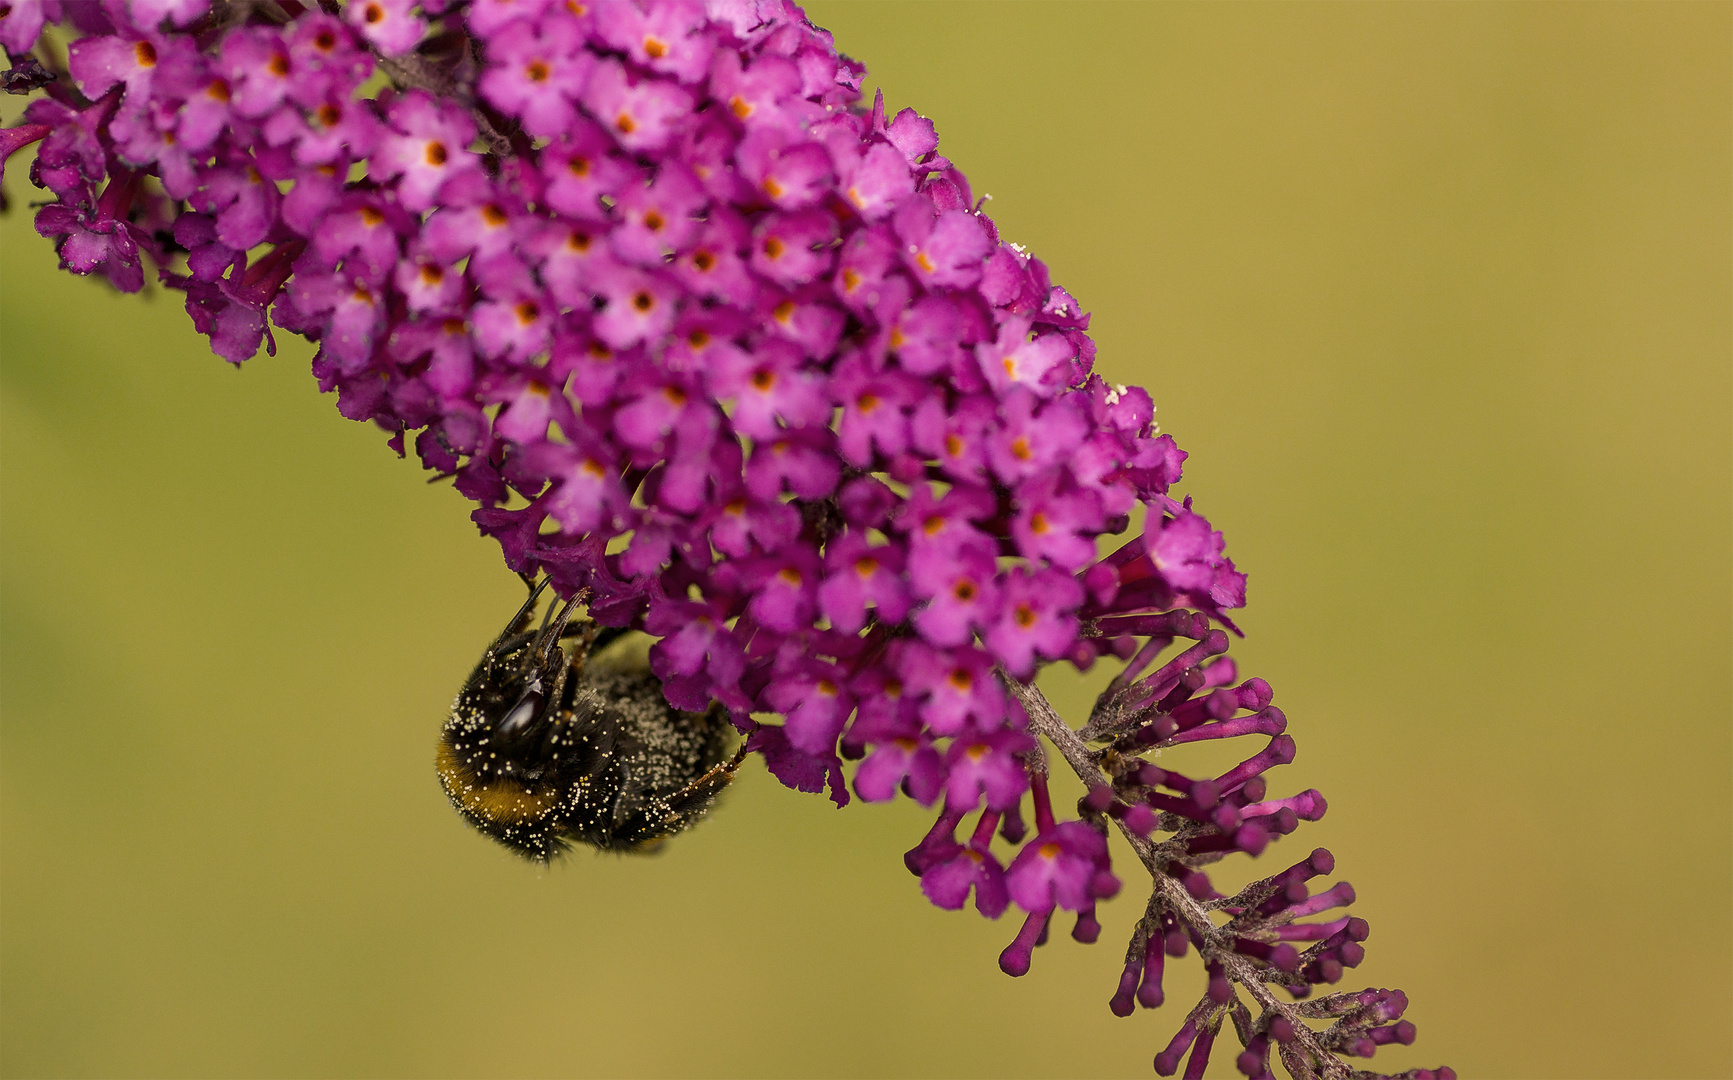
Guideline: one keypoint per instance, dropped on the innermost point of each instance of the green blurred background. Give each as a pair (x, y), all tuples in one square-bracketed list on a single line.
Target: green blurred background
[(1437, 296)]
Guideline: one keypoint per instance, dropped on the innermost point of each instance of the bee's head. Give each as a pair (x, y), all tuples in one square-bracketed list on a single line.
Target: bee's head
[(514, 691), (506, 755)]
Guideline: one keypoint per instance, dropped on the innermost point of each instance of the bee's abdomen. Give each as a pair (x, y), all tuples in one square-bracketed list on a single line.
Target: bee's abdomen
[(674, 749), (523, 814)]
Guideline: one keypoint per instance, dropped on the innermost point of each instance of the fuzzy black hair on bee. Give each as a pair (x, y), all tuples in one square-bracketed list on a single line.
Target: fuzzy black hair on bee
[(546, 748)]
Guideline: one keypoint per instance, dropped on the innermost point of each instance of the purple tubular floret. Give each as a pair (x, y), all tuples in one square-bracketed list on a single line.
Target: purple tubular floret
[(1086, 930), (1222, 704), (1280, 751), (1268, 721), (1167, 1062), (1149, 993), (1014, 961), (1310, 931), (1200, 1051), (940, 838), (1153, 686), (1320, 861), (1124, 1001), (1254, 1060), (1401, 1032), (1308, 805)]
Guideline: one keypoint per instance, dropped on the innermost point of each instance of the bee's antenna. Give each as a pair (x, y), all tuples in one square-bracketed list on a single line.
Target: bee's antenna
[(550, 640)]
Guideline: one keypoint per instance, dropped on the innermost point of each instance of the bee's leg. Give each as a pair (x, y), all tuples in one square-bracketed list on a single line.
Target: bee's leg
[(549, 644), (645, 830), (554, 626), (547, 617), (665, 816), (711, 782), (519, 622)]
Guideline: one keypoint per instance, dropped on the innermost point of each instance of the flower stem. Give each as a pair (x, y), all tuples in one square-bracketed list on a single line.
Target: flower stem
[(1216, 946)]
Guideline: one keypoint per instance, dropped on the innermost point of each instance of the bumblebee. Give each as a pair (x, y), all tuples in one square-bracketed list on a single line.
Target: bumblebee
[(546, 748)]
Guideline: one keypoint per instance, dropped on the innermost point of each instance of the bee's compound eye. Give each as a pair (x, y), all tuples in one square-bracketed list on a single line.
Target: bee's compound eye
[(525, 710)]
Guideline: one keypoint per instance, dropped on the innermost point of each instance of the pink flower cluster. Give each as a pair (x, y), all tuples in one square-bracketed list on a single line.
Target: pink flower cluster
[(733, 356)]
